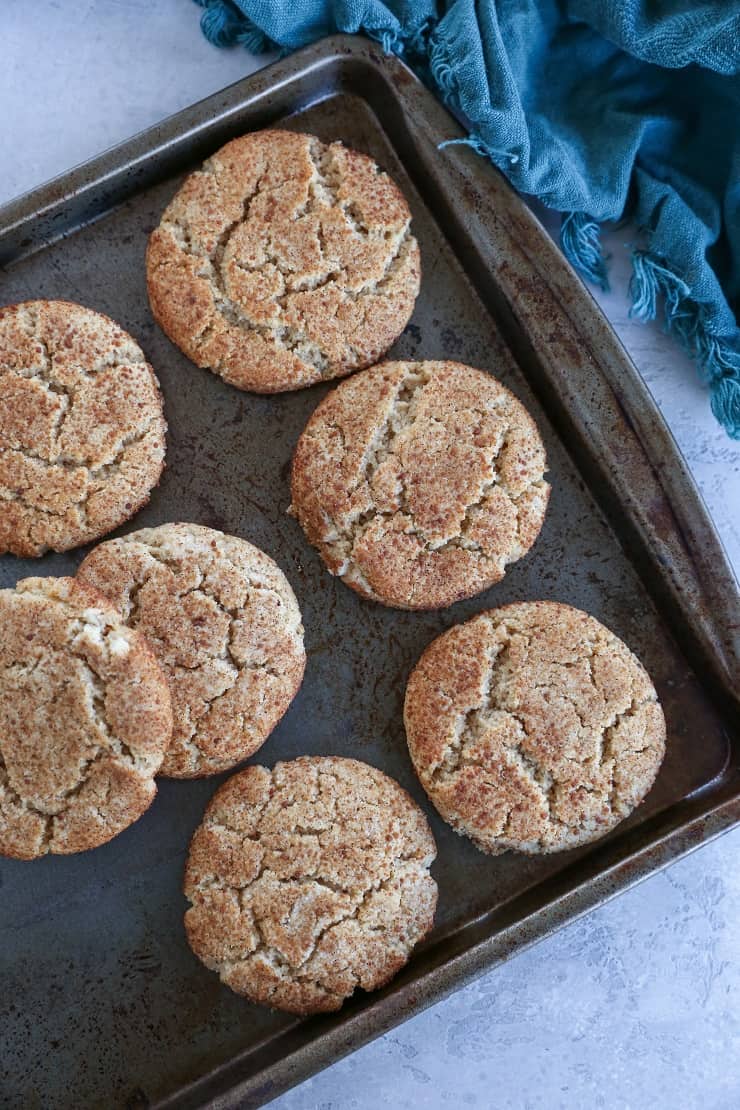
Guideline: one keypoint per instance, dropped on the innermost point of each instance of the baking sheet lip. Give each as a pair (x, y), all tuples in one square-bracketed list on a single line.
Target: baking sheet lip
[(435, 982), (449, 975)]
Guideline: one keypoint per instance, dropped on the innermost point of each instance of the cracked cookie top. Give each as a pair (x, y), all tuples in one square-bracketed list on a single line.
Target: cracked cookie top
[(533, 727), (226, 627), (85, 719), (81, 427), (419, 481), (309, 881), (284, 262)]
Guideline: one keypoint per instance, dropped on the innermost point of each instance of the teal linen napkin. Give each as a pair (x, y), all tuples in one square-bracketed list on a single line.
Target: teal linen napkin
[(602, 109)]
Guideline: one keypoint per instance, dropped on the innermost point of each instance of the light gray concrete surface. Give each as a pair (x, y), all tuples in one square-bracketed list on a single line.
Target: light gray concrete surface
[(633, 1006)]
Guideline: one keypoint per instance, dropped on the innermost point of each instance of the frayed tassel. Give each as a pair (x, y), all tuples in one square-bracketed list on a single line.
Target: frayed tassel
[(718, 363), (472, 141), (643, 289), (219, 22), (481, 147), (725, 402), (443, 75), (255, 40), (417, 38), (650, 277), (223, 26), (580, 240), (389, 40)]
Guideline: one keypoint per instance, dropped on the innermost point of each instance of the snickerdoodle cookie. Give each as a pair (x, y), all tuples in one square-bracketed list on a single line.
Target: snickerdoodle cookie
[(225, 625), (81, 427), (85, 719), (533, 727), (419, 481), (308, 881), (283, 262)]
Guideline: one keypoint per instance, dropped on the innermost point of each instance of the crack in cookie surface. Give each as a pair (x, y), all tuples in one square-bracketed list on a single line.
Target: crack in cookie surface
[(533, 727), (420, 482), (85, 719), (224, 623), (283, 262), (81, 427), (309, 881)]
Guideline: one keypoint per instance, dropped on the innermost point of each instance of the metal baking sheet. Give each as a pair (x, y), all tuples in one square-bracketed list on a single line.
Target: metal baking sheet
[(102, 1004)]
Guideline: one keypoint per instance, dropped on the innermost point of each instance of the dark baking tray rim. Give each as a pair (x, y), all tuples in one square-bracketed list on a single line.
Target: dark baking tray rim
[(602, 410)]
